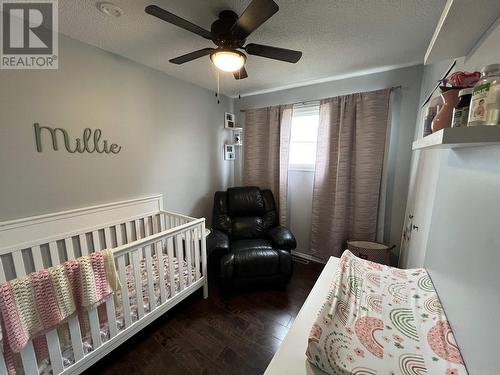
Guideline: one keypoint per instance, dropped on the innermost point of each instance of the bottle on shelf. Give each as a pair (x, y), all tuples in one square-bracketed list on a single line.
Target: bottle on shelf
[(485, 103), (461, 110)]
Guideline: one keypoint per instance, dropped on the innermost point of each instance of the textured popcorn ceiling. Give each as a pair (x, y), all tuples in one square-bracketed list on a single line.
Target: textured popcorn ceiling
[(337, 37)]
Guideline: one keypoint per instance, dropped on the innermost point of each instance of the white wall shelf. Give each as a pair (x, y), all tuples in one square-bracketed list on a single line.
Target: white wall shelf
[(460, 137), (461, 25)]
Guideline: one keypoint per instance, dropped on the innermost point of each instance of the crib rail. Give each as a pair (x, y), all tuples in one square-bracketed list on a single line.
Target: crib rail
[(137, 242)]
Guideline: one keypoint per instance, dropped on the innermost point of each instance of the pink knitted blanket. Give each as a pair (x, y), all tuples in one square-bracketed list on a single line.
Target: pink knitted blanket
[(35, 304)]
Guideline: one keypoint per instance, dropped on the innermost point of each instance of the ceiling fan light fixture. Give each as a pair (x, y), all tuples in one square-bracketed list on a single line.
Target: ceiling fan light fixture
[(228, 60), (109, 9)]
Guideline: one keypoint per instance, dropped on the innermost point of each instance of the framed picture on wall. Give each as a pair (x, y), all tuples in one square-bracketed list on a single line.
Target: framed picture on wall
[(229, 152), (237, 138), (229, 120)]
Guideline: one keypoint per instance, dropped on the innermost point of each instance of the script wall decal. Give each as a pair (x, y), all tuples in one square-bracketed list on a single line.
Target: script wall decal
[(89, 142)]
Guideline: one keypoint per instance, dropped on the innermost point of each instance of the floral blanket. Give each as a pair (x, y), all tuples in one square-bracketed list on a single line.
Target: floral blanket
[(383, 320)]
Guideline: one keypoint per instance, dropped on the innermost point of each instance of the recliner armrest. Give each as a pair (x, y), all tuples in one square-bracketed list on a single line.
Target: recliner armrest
[(282, 238), (217, 243)]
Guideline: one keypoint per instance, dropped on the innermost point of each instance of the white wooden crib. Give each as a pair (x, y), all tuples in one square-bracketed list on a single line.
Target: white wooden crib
[(137, 230)]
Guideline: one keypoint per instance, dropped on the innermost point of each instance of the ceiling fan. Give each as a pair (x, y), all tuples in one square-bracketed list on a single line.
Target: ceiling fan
[(229, 33)]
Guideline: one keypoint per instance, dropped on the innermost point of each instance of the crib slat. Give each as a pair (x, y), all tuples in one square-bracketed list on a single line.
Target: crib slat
[(76, 337), (125, 298), (28, 357), (147, 233), (54, 253), (147, 226), (55, 355), (159, 256), (107, 238), (111, 314), (128, 231), (157, 223), (189, 256), (151, 286), (204, 260), (138, 232), (161, 271), (37, 258), (83, 244), (96, 240), (17, 257), (197, 253), (138, 282), (179, 248), (155, 220), (162, 228), (95, 329), (171, 274), (70, 251), (161, 222), (119, 235)]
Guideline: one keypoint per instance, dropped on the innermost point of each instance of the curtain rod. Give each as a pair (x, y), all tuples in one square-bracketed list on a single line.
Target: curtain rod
[(318, 100)]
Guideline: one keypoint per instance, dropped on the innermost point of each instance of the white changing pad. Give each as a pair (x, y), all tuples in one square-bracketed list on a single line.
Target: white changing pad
[(290, 359), (382, 320)]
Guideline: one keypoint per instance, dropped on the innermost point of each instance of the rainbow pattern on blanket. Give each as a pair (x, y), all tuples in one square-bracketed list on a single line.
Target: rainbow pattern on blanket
[(382, 320)]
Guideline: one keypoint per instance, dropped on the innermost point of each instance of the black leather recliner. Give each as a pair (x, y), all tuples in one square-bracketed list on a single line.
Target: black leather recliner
[(246, 245)]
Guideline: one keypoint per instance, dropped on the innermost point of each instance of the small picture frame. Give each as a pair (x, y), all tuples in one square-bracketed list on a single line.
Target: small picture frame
[(237, 141), (229, 152), (229, 120)]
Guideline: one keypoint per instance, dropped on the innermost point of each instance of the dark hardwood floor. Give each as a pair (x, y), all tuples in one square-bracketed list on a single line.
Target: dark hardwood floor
[(215, 336)]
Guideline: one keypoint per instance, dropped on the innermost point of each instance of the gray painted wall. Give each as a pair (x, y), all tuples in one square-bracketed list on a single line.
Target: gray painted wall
[(404, 117), (461, 248), (171, 134)]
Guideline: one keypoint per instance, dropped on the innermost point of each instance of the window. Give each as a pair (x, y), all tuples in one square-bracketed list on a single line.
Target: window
[(304, 136)]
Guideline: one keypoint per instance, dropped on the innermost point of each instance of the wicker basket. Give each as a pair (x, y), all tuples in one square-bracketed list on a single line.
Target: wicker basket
[(374, 251)]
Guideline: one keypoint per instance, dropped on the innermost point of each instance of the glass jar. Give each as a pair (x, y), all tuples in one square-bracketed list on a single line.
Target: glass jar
[(461, 110), (484, 108)]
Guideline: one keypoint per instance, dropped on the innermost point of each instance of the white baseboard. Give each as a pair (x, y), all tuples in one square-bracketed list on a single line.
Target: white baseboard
[(308, 257)]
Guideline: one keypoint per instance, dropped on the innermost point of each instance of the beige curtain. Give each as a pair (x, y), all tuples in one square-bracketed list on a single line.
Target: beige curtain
[(266, 146), (349, 161)]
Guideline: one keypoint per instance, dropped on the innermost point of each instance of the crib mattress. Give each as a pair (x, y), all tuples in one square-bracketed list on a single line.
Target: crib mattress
[(382, 320), (67, 352)]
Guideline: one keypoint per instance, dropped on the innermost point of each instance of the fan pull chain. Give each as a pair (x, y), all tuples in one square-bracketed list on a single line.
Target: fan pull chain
[(218, 87), (239, 84)]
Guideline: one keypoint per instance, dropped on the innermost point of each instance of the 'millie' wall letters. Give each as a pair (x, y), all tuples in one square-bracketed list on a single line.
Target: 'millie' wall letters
[(90, 141)]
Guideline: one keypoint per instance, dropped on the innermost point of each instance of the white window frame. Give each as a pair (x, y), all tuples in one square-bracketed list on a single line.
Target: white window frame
[(304, 109)]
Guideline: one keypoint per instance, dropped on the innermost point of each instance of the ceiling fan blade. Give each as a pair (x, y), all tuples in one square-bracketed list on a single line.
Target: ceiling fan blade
[(275, 53), (191, 56), (177, 21), (258, 12), (241, 74)]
